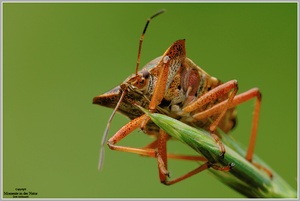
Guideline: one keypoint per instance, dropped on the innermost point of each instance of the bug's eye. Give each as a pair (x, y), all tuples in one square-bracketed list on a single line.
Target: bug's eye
[(145, 74)]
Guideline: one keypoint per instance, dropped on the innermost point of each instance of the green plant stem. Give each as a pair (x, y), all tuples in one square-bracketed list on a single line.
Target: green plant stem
[(244, 177)]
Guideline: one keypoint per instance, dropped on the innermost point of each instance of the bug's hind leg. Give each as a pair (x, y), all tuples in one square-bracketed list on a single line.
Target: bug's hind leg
[(237, 100), (197, 170)]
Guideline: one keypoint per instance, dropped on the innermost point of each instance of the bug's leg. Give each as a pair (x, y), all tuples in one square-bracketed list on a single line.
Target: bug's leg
[(170, 63), (153, 145), (162, 152), (269, 172), (125, 131), (160, 143), (168, 66), (237, 100), (198, 170), (252, 93), (160, 88), (230, 87), (162, 166), (187, 175), (186, 157), (158, 93)]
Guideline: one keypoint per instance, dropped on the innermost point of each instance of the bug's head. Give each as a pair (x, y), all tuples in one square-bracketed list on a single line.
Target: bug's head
[(135, 84), (138, 81), (122, 99)]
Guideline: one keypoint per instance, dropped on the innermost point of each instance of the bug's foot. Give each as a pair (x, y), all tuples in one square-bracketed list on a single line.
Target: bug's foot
[(164, 171), (266, 170), (223, 168), (222, 155), (220, 144), (231, 165), (162, 166)]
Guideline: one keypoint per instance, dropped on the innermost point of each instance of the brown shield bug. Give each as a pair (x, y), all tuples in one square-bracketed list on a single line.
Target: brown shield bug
[(174, 85)]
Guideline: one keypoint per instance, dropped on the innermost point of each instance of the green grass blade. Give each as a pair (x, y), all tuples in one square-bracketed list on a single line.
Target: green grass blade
[(243, 177)]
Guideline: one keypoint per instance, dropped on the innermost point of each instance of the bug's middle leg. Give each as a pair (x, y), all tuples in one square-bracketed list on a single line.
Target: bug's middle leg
[(154, 144), (162, 152), (230, 88)]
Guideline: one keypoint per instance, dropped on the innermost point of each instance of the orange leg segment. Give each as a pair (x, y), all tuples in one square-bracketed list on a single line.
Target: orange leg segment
[(160, 154), (239, 99), (160, 88), (154, 145), (189, 174), (198, 170), (125, 131), (230, 86)]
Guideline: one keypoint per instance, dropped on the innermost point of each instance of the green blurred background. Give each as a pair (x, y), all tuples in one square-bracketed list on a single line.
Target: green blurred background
[(58, 56)]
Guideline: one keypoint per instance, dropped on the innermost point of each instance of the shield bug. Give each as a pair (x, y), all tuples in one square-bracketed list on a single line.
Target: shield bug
[(174, 85)]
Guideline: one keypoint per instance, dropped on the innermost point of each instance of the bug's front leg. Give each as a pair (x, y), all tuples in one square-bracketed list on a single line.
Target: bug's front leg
[(125, 131), (159, 90)]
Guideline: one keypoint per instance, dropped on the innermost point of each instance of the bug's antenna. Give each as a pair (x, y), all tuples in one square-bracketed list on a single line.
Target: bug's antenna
[(107, 129), (142, 38)]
